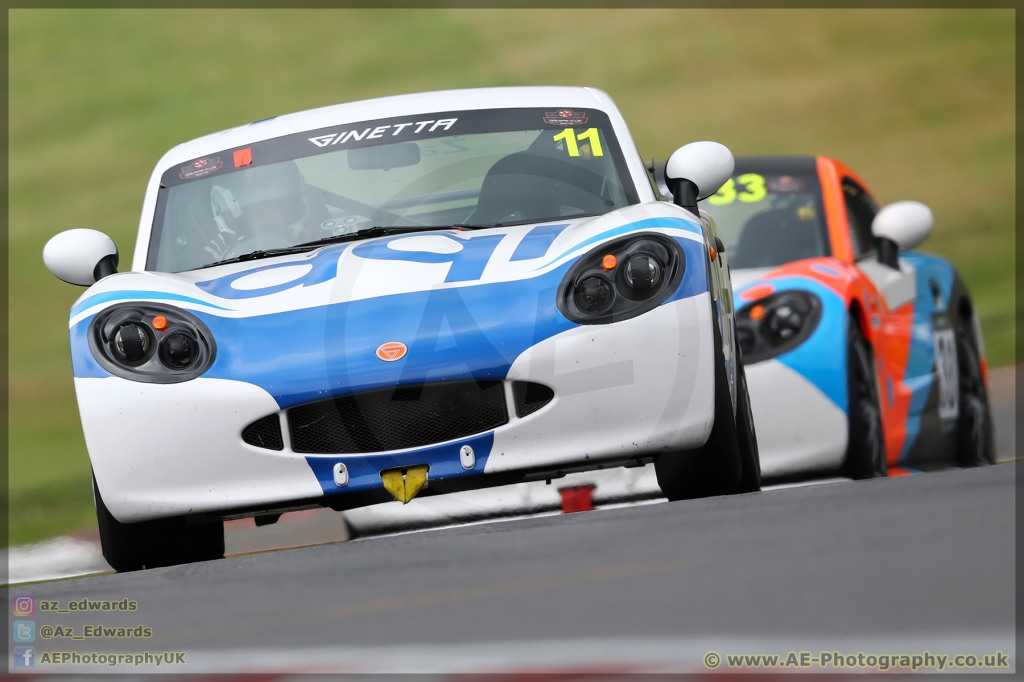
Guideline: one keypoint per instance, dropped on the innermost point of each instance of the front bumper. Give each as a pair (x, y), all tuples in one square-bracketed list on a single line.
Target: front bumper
[(798, 427), (623, 391)]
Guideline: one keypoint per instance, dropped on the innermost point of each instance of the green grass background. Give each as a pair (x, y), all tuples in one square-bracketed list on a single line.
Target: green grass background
[(919, 102)]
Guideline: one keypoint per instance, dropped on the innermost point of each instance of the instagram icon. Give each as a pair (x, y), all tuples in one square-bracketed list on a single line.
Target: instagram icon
[(24, 606)]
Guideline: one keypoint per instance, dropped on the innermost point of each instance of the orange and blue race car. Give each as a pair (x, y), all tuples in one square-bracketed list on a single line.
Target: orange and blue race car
[(861, 355)]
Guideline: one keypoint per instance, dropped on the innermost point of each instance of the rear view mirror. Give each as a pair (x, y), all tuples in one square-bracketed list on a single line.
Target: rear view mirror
[(80, 256), (384, 157), (901, 226), (696, 171)]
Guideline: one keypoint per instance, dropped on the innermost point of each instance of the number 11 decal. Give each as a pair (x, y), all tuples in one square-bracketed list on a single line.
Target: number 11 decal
[(572, 141)]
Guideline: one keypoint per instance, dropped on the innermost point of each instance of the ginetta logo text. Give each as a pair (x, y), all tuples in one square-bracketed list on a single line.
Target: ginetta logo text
[(374, 133), (391, 351)]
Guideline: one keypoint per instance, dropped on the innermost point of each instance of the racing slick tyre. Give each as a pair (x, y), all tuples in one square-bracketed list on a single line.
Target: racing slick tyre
[(750, 460), (151, 544), (715, 468), (865, 450), (975, 445)]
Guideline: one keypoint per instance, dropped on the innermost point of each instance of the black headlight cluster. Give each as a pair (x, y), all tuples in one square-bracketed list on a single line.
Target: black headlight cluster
[(775, 324), (621, 279), (151, 343)]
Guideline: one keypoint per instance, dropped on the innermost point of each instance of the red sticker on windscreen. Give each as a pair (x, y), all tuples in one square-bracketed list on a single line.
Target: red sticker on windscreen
[(243, 157), (199, 168)]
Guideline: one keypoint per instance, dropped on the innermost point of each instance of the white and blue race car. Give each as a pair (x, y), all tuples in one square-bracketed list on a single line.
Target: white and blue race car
[(411, 295)]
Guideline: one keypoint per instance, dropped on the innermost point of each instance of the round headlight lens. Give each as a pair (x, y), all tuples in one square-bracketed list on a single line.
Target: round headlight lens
[(594, 294), (643, 272), (131, 342), (784, 323), (178, 350)]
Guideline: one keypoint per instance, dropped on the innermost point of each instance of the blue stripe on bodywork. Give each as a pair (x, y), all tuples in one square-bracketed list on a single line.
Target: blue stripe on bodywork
[(472, 332), (324, 267), (109, 296), (647, 224), (83, 364), (821, 359), (468, 262), (364, 470), (537, 242), (921, 360)]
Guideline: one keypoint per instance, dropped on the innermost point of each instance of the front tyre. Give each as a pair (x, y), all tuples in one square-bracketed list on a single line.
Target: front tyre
[(151, 544), (750, 459), (865, 451), (714, 468)]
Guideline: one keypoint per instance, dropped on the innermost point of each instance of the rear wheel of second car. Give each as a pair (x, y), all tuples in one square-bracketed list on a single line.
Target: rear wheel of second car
[(975, 443)]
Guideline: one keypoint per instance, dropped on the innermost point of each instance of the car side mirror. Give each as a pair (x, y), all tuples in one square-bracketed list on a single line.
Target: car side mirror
[(696, 171), (80, 256), (899, 227)]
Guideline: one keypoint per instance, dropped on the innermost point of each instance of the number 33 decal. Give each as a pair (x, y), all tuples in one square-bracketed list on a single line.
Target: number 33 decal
[(753, 190)]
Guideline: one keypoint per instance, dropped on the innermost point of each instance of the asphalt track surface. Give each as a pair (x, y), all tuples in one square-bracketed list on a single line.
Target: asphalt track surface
[(912, 563)]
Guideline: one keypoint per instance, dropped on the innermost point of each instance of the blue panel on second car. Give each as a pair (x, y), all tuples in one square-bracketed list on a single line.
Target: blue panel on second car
[(921, 359)]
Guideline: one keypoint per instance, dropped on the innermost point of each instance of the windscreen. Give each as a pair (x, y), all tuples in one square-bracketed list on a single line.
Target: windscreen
[(769, 220), (476, 168)]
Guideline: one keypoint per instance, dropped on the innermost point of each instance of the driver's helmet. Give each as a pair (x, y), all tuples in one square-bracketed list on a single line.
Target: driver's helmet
[(260, 201)]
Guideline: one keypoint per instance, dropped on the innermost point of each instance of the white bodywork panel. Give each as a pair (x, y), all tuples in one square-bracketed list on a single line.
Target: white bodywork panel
[(612, 386), (798, 427), (171, 449)]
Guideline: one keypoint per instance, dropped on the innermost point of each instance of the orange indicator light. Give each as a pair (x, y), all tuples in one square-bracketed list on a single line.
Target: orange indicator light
[(609, 262), (159, 322), (757, 312), (714, 254)]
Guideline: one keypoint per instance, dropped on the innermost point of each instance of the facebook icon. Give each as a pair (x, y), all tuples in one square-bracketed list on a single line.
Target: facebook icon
[(23, 656)]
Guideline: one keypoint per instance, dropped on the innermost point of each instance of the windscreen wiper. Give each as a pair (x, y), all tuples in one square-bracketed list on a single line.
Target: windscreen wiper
[(375, 231), (532, 221)]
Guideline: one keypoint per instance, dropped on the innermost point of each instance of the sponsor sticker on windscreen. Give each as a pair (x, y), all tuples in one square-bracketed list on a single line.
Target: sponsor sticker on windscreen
[(565, 117), (200, 167)]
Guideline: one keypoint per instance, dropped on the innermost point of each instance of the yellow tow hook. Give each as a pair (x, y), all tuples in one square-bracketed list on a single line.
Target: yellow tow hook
[(406, 483)]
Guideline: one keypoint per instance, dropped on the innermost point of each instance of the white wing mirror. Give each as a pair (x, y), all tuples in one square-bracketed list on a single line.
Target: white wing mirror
[(696, 171), (80, 256), (899, 227)]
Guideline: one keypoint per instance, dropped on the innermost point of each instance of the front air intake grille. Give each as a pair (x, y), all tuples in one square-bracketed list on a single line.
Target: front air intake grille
[(264, 433), (394, 419), (530, 397)]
